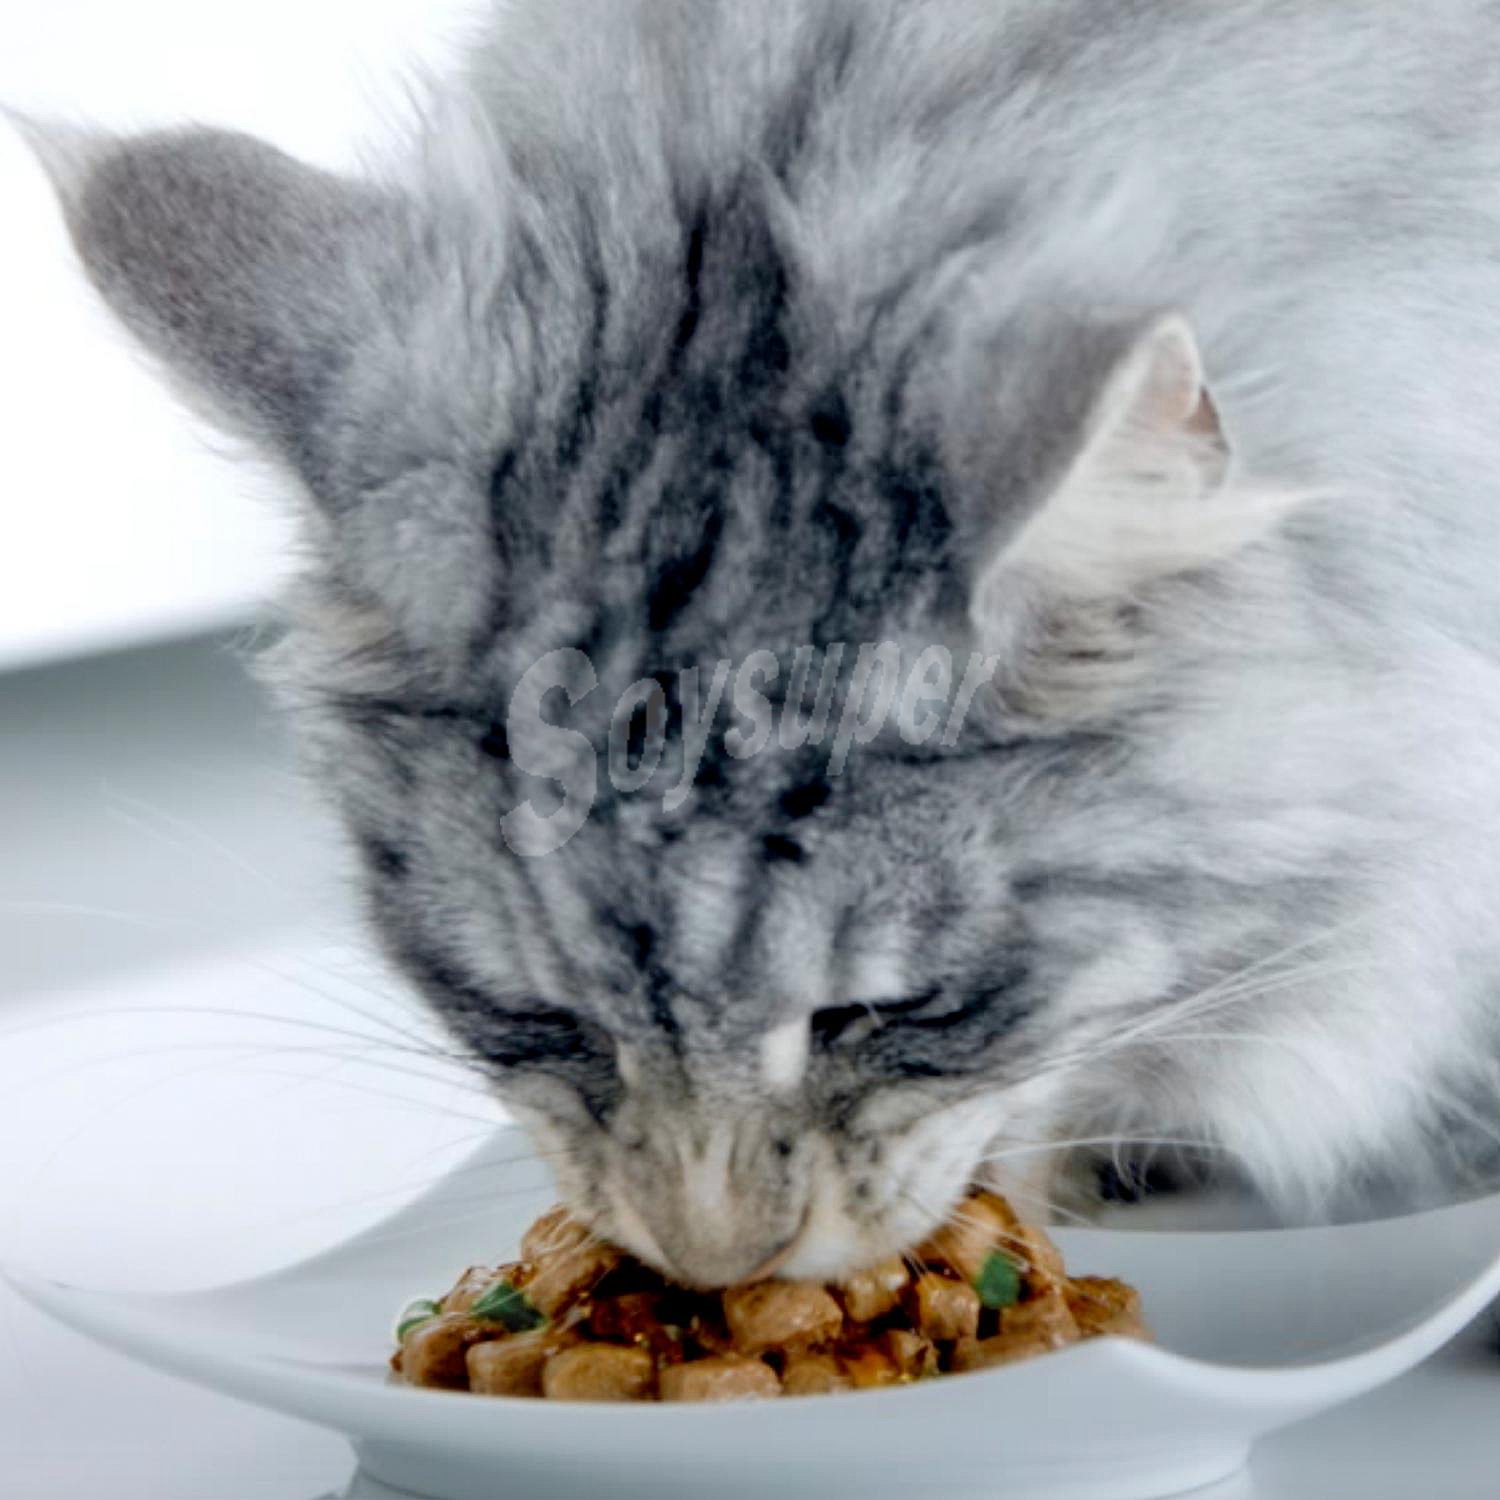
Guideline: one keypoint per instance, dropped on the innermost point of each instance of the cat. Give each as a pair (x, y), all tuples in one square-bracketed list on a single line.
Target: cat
[(1143, 351)]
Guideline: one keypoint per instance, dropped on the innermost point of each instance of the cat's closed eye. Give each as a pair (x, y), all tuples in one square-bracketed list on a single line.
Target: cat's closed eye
[(933, 1010), (849, 1023)]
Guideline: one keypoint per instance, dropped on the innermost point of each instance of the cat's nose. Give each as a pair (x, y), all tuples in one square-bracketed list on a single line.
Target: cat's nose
[(706, 1246), (711, 1267), (715, 1200), (732, 1259)]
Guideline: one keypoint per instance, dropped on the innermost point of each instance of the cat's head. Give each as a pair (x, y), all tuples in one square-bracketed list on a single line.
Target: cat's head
[(591, 487)]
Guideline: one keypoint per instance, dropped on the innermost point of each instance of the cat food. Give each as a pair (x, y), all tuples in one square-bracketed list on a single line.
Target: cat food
[(577, 1320)]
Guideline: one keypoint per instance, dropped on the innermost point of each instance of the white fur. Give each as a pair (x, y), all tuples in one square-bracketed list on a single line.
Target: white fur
[(783, 1055)]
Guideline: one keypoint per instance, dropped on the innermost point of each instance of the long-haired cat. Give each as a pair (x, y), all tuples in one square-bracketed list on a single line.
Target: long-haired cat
[(1145, 351)]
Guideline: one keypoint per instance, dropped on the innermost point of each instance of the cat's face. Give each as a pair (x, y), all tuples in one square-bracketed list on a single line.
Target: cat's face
[(792, 1010), (772, 952), (764, 1007), (754, 1005)]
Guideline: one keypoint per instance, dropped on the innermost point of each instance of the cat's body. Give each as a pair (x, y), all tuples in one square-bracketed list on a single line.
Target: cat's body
[(716, 328)]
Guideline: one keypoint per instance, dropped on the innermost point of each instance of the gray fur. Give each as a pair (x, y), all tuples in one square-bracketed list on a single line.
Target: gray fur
[(700, 328)]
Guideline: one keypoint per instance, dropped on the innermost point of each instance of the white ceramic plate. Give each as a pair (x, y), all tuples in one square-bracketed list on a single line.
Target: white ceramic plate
[(1257, 1329)]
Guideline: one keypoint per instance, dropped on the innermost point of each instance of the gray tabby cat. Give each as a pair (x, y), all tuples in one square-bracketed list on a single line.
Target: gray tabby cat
[(1149, 349)]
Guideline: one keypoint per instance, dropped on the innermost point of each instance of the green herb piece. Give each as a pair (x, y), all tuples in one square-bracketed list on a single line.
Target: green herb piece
[(999, 1281), (504, 1304), (417, 1313)]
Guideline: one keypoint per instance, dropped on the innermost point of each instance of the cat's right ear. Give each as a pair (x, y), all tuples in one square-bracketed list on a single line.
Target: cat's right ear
[(1094, 470), (243, 271)]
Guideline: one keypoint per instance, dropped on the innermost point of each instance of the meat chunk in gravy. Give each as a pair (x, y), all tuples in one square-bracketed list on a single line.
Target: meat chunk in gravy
[(436, 1354), (814, 1375), (513, 1366), (868, 1295), (600, 1372), (720, 1377), (945, 1309), (1104, 1308), (788, 1315)]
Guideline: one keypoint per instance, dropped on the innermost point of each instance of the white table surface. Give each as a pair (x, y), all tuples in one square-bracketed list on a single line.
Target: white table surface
[(172, 1115)]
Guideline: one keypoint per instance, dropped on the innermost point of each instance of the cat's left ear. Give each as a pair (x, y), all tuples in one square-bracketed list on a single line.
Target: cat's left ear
[(1107, 468), (266, 291), (243, 271)]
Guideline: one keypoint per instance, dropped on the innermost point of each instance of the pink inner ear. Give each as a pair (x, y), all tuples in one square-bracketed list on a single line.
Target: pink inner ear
[(1204, 420), (1171, 393)]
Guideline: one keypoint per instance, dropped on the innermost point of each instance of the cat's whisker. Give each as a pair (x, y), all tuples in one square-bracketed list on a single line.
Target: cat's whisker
[(1244, 990), (564, 1236), (423, 1226), (301, 1023), (235, 1054), (1298, 1045), (424, 1106), (1271, 982), (1015, 1245), (956, 1216), (1100, 1142), (224, 1057), (412, 1186), (1147, 1031), (427, 1226), (153, 922), (1277, 956), (388, 1023), (1233, 980), (178, 834), (1044, 1208), (157, 923)]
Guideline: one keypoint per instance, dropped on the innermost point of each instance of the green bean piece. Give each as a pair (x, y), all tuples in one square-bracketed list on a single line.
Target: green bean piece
[(416, 1313), (999, 1281), (503, 1303)]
